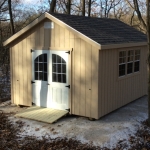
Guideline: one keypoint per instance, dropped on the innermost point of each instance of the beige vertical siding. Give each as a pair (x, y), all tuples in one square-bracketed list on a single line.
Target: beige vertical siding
[(95, 87), (84, 67), (11, 75), (115, 92)]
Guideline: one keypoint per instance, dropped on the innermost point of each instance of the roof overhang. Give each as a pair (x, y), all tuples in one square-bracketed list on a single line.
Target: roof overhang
[(123, 45), (54, 19), (77, 33)]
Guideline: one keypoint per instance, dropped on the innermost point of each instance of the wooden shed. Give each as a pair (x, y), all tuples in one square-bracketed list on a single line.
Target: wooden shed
[(88, 66)]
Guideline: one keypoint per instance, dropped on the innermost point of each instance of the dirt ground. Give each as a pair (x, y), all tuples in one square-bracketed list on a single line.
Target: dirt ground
[(105, 132)]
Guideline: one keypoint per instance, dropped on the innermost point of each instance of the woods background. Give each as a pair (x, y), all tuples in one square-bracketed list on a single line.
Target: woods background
[(16, 14)]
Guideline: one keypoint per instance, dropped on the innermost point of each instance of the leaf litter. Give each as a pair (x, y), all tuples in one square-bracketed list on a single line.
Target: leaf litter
[(11, 139)]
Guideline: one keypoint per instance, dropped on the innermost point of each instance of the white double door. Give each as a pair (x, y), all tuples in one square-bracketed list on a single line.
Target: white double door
[(50, 84)]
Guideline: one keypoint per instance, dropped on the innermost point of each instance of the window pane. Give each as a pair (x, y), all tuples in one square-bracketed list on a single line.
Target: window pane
[(129, 68), (136, 66), (63, 78), (41, 58), (122, 54), (122, 70), (36, 67), (37, 59), (53, 58), (54, 68), (137, 52), (59, 78), (54, 77), (63, 61), (58, 59), (40, 66), (45, 57), (58, 68), (137, 57), (130, 58), (45, 67), (45, 76), (36, 75), (130, 53), (40, 75), (63, 68)]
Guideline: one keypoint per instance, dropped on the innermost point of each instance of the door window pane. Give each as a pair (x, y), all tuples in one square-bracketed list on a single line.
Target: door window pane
[(36, 75), (54, 68), (58, 59), (64, 78), (45, 67), (45, 76), (53, 58), (40, 67), (40, 76), (58, 69), (36, 60), (54, 78), (63, 68), (45, 57), (59, 77), (36, 67), (41, 58)]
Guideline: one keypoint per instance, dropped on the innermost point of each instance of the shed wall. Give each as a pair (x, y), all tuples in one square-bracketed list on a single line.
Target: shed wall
[(84, 67), (115, 92)]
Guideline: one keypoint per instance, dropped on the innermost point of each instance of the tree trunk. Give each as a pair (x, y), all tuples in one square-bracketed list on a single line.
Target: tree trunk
[(148, 38), (83, 7), (68, 7), (11, 18), (89, 9), (136, 7), (52, 6)]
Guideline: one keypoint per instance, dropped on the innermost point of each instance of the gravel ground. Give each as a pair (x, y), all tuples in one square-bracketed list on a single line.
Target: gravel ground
[(118, 126)]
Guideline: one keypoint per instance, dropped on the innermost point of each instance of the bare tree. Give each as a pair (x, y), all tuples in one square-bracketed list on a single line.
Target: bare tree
[(11, 18), (136, 7), (83, 7), (68, 6), (89, 8), (52, 6)]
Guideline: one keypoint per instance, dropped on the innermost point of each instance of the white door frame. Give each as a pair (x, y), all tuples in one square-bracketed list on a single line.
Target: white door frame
[(69, 71)]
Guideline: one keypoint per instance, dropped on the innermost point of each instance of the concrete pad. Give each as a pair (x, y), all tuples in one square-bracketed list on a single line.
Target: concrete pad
[(47, 115)]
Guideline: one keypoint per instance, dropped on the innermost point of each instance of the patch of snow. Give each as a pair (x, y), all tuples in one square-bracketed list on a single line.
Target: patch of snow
[(105, 132)]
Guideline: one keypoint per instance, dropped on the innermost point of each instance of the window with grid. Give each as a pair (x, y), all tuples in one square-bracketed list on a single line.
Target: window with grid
[(137, 61), (58, 69), (122, 63), (129, 62), (40, 67)]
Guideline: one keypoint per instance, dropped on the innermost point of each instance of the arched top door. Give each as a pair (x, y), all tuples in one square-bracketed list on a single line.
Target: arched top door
[(58, 69), (40, 67)]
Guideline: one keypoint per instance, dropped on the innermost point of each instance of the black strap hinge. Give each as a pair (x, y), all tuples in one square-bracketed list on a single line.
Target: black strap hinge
[(68, 86), (32, 82), (68, 109), (32, 50), (68, 52)]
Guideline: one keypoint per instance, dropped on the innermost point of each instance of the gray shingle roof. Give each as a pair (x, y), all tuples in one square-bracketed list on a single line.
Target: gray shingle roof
[(103, 30)]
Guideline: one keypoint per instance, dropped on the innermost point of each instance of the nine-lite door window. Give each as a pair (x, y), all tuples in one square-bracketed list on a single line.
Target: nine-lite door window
[(129, 62)]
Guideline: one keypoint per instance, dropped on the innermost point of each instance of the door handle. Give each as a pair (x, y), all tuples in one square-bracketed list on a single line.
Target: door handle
[(68, 86), (48, 84)]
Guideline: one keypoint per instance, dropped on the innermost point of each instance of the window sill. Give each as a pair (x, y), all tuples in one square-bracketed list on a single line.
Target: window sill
[(128, 76)]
